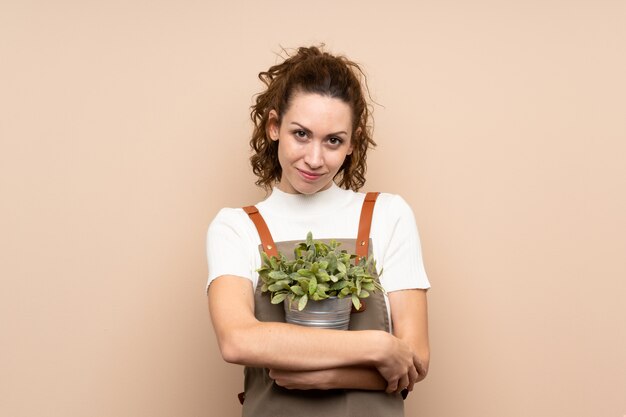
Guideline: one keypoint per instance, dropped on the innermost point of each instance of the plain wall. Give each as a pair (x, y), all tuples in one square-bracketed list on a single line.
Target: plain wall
[(124, 129)]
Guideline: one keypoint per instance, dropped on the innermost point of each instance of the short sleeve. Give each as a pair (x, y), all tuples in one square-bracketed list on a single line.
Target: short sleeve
[(403, 264), (228, 246)]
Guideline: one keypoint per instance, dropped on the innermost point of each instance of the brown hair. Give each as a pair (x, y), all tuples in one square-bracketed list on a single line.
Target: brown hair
[(311, 70)]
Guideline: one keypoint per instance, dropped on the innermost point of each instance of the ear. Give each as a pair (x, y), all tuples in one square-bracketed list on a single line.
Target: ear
[(273, 126)]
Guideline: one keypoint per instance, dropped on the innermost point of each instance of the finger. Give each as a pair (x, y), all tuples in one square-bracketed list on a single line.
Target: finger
[(411, 385), (392, 386), (418, 364), (409, 388), (402, 383), (413, 377)]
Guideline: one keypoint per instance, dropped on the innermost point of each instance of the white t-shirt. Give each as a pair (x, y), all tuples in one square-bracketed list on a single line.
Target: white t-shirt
[(233, 241)]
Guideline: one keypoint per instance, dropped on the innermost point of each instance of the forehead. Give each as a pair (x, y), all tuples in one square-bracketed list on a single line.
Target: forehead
[(316, 111)]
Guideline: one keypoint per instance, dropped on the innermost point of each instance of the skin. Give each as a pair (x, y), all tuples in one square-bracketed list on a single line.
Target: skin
[(409, 318), (314, 139), (351, 359)]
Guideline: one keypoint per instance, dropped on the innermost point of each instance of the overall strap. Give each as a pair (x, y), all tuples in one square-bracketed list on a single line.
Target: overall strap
[(365, 224), (269, 247)]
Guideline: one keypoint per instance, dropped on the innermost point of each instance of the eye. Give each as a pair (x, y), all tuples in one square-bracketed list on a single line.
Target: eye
[(335, 141), (300, 134)]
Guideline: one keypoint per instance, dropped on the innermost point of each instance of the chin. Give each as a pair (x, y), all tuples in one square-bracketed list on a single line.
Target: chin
[(308, 190)]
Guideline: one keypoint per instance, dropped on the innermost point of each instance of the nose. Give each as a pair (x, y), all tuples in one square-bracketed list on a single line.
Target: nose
[(314, 156)]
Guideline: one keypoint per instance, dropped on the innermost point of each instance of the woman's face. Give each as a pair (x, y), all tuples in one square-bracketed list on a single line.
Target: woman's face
[(313, 141)]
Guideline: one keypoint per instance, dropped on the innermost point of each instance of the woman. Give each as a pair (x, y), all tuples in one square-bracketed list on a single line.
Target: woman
[(310, 142)]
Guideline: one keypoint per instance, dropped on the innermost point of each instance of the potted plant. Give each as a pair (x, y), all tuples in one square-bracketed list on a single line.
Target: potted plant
[(320, 285)]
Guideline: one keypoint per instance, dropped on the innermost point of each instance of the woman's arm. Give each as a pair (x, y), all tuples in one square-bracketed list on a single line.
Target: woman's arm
[(245, 340), (351, 377), (410, 323), (409, 315)]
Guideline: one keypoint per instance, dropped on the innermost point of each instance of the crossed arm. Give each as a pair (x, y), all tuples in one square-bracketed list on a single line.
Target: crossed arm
[(367, 359)]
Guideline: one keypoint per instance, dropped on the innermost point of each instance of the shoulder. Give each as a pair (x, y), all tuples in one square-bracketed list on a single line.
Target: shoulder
[(230, 245), (233, 219), (229, 215), (231, 231), (392, 207)]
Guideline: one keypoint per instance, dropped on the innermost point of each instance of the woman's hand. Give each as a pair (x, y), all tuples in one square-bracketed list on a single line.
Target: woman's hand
[(407, 353), (398, 366)]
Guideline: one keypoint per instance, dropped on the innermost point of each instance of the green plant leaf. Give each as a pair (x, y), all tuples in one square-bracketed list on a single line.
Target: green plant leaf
[(278, 275), (302, 302), (320, 270), (323, 276), (312, 285), (356, 302), (332, 262), (339, 285), (273, 263), (297, 290), (304, 284), (292, 301), (305, 273), (275, 287), (279, 298)]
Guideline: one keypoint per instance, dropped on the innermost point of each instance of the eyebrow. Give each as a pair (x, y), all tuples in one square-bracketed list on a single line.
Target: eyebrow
[(308, 131)]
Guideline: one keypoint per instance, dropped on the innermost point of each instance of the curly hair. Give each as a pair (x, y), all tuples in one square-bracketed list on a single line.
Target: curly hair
[(311, 70)]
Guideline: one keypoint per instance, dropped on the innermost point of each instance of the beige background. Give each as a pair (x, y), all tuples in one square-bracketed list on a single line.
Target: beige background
[(124, 128)]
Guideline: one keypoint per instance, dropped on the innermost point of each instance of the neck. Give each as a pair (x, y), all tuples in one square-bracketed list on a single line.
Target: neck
[(321, 203)]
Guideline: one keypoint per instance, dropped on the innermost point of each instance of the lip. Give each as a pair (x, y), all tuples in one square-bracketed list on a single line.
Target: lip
[(310, 176)]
